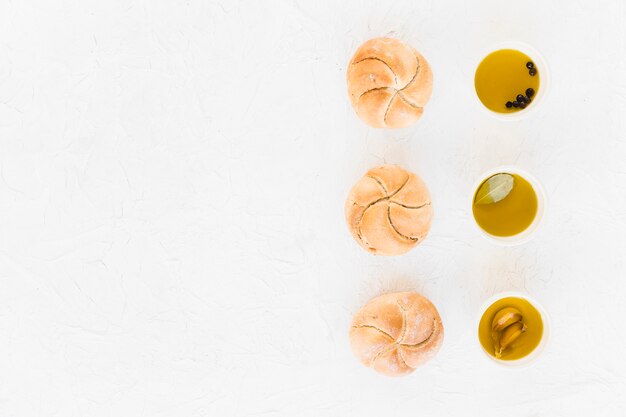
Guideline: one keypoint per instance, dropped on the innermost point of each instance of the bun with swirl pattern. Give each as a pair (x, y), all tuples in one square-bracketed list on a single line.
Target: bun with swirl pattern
[(389, 83), (396, 333), (389, 210)]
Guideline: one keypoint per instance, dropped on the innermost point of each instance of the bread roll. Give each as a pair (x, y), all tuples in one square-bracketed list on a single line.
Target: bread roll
[(396, 333), (389, 210), (389, 83)]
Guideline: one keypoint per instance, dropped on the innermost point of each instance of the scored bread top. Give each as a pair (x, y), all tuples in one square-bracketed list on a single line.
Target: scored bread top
[(395, 333), (389, 210), (389, 83)]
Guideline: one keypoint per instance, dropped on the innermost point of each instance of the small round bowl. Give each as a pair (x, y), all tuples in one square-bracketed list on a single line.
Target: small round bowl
[(529, 359), (544, 84), (531, 230)]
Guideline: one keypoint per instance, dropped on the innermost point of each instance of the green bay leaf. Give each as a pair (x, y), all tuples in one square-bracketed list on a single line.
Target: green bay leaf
[(495, 188)]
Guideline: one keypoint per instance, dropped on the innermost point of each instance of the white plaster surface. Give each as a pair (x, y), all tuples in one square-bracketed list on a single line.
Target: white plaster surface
[(172, 181)]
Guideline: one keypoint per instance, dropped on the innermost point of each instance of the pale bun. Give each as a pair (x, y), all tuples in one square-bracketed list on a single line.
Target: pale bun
[(389, 210), (389, 83), (395, 333)]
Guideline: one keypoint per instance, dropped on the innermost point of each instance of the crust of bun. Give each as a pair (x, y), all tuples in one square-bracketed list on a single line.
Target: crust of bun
[(389, 210), (389, 83), (396, 333)]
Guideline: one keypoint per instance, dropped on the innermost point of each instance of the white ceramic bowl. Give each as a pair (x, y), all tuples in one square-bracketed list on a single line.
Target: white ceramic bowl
[(532, 356), (531, 230), (544, 83)]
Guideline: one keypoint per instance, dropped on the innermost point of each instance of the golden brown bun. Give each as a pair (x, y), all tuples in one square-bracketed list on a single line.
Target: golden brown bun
[(389, 210), (389, 83), (396, 333)]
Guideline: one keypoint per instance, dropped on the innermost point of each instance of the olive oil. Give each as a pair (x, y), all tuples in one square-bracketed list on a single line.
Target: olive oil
[(502, 77), (510, 215), (519, 343)]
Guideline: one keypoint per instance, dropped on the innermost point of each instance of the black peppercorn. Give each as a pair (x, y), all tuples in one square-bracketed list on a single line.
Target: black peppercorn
[(530, 65), (516, 104), (532, 72), (509, 104), (530, 92), (520, 98), (522, 105)]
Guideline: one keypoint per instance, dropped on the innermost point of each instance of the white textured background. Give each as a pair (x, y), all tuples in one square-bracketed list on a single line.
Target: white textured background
[(172, 180)]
